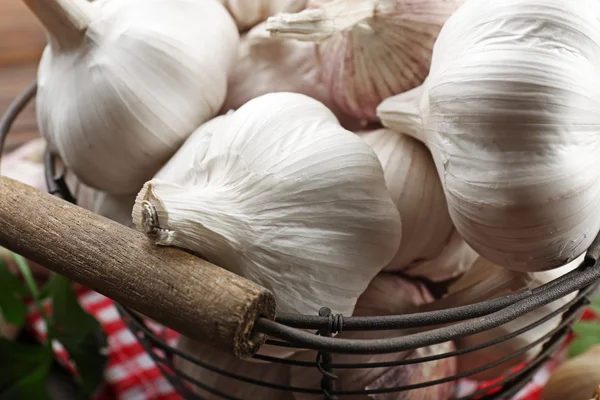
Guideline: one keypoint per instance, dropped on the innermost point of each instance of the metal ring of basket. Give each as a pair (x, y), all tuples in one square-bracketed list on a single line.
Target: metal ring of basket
[(288, 330)]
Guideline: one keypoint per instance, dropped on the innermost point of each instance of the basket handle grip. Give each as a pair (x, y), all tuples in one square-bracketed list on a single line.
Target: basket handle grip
[(175, 288)]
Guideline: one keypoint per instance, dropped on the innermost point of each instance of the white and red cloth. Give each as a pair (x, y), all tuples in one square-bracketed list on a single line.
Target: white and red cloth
[(131, 373)]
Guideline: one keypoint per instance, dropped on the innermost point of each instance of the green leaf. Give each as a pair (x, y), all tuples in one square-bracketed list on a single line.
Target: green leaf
[(79, 333), (23, 370), (12, 292), (595, 305), (587, 329), (588, 334)]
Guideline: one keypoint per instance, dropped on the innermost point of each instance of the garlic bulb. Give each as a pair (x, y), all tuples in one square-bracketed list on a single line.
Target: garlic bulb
[(248, 13), (267, 65), (115, 207), (387, 294), (26, 164), (455, 259), (416, 190), (485, 281), (576, 378), (280, 193), (271, 373), (370, 49), (124, 82), (508, 111)]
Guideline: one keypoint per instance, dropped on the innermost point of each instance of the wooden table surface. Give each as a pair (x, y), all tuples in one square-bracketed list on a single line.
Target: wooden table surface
[(22, 40)]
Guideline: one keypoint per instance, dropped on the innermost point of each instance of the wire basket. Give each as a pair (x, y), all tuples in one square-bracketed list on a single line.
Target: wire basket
[(442, 326)]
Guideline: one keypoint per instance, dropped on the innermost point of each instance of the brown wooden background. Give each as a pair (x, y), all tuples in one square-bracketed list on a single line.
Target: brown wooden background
[(22, 40)]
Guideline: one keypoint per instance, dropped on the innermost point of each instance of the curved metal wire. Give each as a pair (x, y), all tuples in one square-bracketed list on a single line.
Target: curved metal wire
[(580, 278), (452, 324), (13, 111)]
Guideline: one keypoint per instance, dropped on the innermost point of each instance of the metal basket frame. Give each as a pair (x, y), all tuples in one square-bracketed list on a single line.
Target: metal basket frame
[(289, 330)]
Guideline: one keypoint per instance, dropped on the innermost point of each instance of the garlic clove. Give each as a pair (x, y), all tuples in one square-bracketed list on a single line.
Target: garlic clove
[(283, 196), (248, 13), (134, 79), (271, 373), (416, 190), (485, 281), (268, 65), (370, 49), (511, 127), (387, 294), (455, 260), (576, 378)]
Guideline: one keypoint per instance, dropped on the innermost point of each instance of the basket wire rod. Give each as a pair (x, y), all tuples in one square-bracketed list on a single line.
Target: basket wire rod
[(579, 298), (13, 111), (521, 377), (415, 320), (561, 327), (56, 183), (144, 331), (324, 360), (562, 330), (378, 346), (190, 395), (162, 361)]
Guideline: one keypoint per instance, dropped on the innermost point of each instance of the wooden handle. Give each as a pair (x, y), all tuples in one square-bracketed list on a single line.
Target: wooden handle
[(177, 289)]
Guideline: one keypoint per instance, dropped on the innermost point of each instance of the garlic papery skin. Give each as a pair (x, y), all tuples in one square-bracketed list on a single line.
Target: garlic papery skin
[(124, 82), (455, 259), (280, 194), (370, 49), (416, 190), (268, 65), (387, 294), (26, 164), (486, 281), (268, 372), (114, 207), (576, 378), (509, 114), (248, 13)]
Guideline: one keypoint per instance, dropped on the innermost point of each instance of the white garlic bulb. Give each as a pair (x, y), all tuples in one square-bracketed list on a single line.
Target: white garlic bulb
[(268, 65), (267, 372), (485, 281), (114, 207), (248, 13), (416, 190), (455, 259), (280, 193), (370, 49), (387, 294), (508, 111), (124, 82)]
